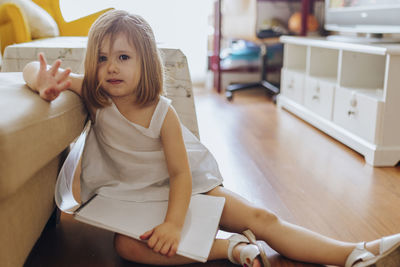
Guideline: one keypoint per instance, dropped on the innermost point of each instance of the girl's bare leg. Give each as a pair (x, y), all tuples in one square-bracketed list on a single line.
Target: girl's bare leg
[(287, 239), (136, 251), (292, 241)]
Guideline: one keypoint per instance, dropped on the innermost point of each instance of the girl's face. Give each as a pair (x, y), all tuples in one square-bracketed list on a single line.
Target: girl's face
[(118, 68)]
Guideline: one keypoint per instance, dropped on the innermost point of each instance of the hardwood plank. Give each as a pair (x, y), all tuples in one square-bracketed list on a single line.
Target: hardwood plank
[(274, 159)]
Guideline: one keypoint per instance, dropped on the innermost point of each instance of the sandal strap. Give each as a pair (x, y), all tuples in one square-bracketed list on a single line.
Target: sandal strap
[(233, 241), (388, 242), (359, 253), (248, 254), (252, 238)]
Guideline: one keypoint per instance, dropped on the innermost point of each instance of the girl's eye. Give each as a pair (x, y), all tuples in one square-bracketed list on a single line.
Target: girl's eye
[(123, 57), (102, 58)]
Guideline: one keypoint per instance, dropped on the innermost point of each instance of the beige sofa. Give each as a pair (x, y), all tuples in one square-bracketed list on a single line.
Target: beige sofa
[(33, 136)]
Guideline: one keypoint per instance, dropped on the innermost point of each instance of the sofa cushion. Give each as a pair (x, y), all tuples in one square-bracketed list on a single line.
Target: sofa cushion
[(32, 130)]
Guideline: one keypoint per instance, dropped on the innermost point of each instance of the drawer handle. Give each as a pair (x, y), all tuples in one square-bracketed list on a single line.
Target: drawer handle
[(351, 113), (315, 97)]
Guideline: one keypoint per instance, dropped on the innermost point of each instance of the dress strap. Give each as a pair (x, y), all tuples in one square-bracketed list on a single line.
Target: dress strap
[(159, 115)]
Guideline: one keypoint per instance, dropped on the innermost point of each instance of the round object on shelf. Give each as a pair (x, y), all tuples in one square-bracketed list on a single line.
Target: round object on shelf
[(294, 23)]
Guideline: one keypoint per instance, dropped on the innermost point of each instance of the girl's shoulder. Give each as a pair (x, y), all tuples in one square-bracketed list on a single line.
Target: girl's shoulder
[(165, 100), (161, 110)]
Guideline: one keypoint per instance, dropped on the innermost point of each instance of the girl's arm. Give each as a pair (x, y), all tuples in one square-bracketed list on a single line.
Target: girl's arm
[(165, 237), (50, 81)]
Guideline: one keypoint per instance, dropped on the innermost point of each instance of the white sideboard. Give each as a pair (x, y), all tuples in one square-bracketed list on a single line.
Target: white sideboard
[(349, 91)]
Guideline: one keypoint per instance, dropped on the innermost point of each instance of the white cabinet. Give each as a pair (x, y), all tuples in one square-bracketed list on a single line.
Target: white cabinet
[(319, 96), (357, 112), (292, 85), (350, 91)]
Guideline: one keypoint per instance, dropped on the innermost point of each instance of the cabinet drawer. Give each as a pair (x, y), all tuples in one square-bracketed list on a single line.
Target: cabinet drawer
[(357, 113), (292, 85), (318, 96)]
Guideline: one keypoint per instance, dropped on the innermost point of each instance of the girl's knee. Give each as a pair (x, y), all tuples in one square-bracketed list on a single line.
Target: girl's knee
[(264, 216), (126, 247)]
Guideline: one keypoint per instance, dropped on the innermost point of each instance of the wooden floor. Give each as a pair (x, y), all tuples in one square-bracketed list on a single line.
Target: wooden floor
[(274, 159)]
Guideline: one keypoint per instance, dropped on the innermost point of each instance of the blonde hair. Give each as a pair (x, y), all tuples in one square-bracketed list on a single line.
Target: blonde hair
[(140, 35)]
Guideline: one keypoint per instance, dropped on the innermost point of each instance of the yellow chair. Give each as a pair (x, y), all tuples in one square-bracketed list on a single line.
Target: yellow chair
[(15, 29), (13, 26)]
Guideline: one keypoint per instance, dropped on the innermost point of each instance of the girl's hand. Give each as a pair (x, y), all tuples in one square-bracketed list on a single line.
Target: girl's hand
[(50, 83), (163, 239)]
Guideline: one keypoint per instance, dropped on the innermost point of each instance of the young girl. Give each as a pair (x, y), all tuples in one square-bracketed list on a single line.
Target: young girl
[(138, 150)]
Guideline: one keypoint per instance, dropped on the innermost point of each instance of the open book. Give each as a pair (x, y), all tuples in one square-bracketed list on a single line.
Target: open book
[(135, 218)]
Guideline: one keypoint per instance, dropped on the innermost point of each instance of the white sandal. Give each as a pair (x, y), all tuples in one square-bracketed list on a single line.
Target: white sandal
[(249, 252), (389, 254)]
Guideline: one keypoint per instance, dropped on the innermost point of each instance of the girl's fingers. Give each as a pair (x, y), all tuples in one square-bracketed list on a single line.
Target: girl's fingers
[(147, 235), (42, 61), (166, 248), (52, 82), (153, 241), (63, 85), (173, 250), (52, 93), (54, 68), (63, 75), (159, 245)]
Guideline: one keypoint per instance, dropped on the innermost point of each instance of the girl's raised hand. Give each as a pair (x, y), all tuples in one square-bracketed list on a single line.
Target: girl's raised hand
[(50, 82)]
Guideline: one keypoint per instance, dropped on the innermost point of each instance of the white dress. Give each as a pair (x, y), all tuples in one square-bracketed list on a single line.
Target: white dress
[(126, 161)]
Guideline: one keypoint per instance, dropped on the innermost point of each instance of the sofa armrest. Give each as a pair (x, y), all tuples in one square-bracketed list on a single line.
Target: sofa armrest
[(33, 131)]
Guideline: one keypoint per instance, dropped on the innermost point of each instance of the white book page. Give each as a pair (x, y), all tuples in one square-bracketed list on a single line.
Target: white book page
[(135, 218)]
